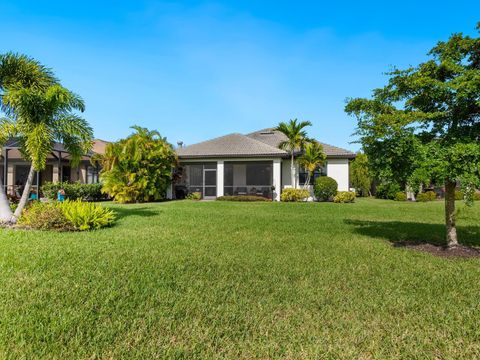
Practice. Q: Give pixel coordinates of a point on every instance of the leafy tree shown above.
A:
(296, 135)
(435, 106)
(312, 157)
(39, 112)
(360, 176)
(138, 168)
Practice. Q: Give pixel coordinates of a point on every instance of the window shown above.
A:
(92, 175)
(303, 174)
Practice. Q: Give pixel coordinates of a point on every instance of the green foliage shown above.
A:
(290, 194)
(427, 196)
(196, 195)
(360, 176)
(312, 157)
(86, 215)
(387, 191)
(325, 188)
(459, 195)
(344, 197)
(74, 191)
(138, 168)
(44, 216)
(13, 206)
(245, 198)
(400, 196)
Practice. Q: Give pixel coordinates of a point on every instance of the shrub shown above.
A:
(44, 216)
(243, 198)
(344, 197)
(400, 196)
(87, 216)
(387, 191)
(291, 194)
(459, 195)
(325, 188)
(74, 191)
(194, 196)
(427, 196)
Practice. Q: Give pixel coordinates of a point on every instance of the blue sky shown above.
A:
(195, 69)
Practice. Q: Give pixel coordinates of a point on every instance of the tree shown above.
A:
(138, 168)
(312, 157)
(437, 105)
(41, 117)
(296, 135)
(17, 71)
(360, 176)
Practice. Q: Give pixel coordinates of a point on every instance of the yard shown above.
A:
(243, 280)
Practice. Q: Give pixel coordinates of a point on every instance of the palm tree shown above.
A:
(18, 71)
(312, 158)
(39, 118)
(296, 140)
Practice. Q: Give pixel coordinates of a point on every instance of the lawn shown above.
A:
(243, 280)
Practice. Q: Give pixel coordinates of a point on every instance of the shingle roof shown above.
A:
(232, 145)
(259, 143)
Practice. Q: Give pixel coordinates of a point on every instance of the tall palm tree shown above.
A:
(312, 158)
(297, 138)
(18, 71)
(41, 117)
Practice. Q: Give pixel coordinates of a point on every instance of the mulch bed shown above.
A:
(459, 251)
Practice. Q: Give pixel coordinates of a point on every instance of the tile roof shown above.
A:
(259, 143)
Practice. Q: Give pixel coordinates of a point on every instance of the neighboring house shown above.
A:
(251, 164)
(15, 169)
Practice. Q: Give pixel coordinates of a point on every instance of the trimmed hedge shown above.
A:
(427, 196)
(248, 198)
(400, 196)
(194, 196)
(294, 195)
(74, 191)
(344, 197)
(325, 188)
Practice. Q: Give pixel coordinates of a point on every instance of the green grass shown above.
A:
(243, 280)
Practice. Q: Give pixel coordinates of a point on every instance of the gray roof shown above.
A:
(257, 144)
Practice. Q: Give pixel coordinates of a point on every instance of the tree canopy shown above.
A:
(139, 167)
(428, 117)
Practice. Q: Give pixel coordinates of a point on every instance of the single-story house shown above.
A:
(250, 164)
(15, 169)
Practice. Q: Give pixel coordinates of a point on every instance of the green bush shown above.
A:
(344, 197)
(325, 188)
(400, 196)
(44, 216)
(387, 191)
(291, 194)
(86, 215)
(427, 196)
(74, 191)
(194, 196)
(243, 198)
(459, 195)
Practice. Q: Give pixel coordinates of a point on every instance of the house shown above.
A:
(58, 168)
(250, 164)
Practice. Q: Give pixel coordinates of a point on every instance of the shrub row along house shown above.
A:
(250, 164)
(58, 168)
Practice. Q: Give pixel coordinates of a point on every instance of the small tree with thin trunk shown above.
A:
(437, 105)
(312, 157)
(297, 138)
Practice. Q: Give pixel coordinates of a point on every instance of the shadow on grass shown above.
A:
(404, 233)
(126, 211)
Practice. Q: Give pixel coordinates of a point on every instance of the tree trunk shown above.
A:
(292, 170)
(307, 181)
(450, 213)
(5, 211)
(25, 195)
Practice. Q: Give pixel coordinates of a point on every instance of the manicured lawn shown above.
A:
(243, 280)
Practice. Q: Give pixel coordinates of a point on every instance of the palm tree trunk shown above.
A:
(450, 214)
(25, 195)
(5, 211)
(292, 170)
(307, 181)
